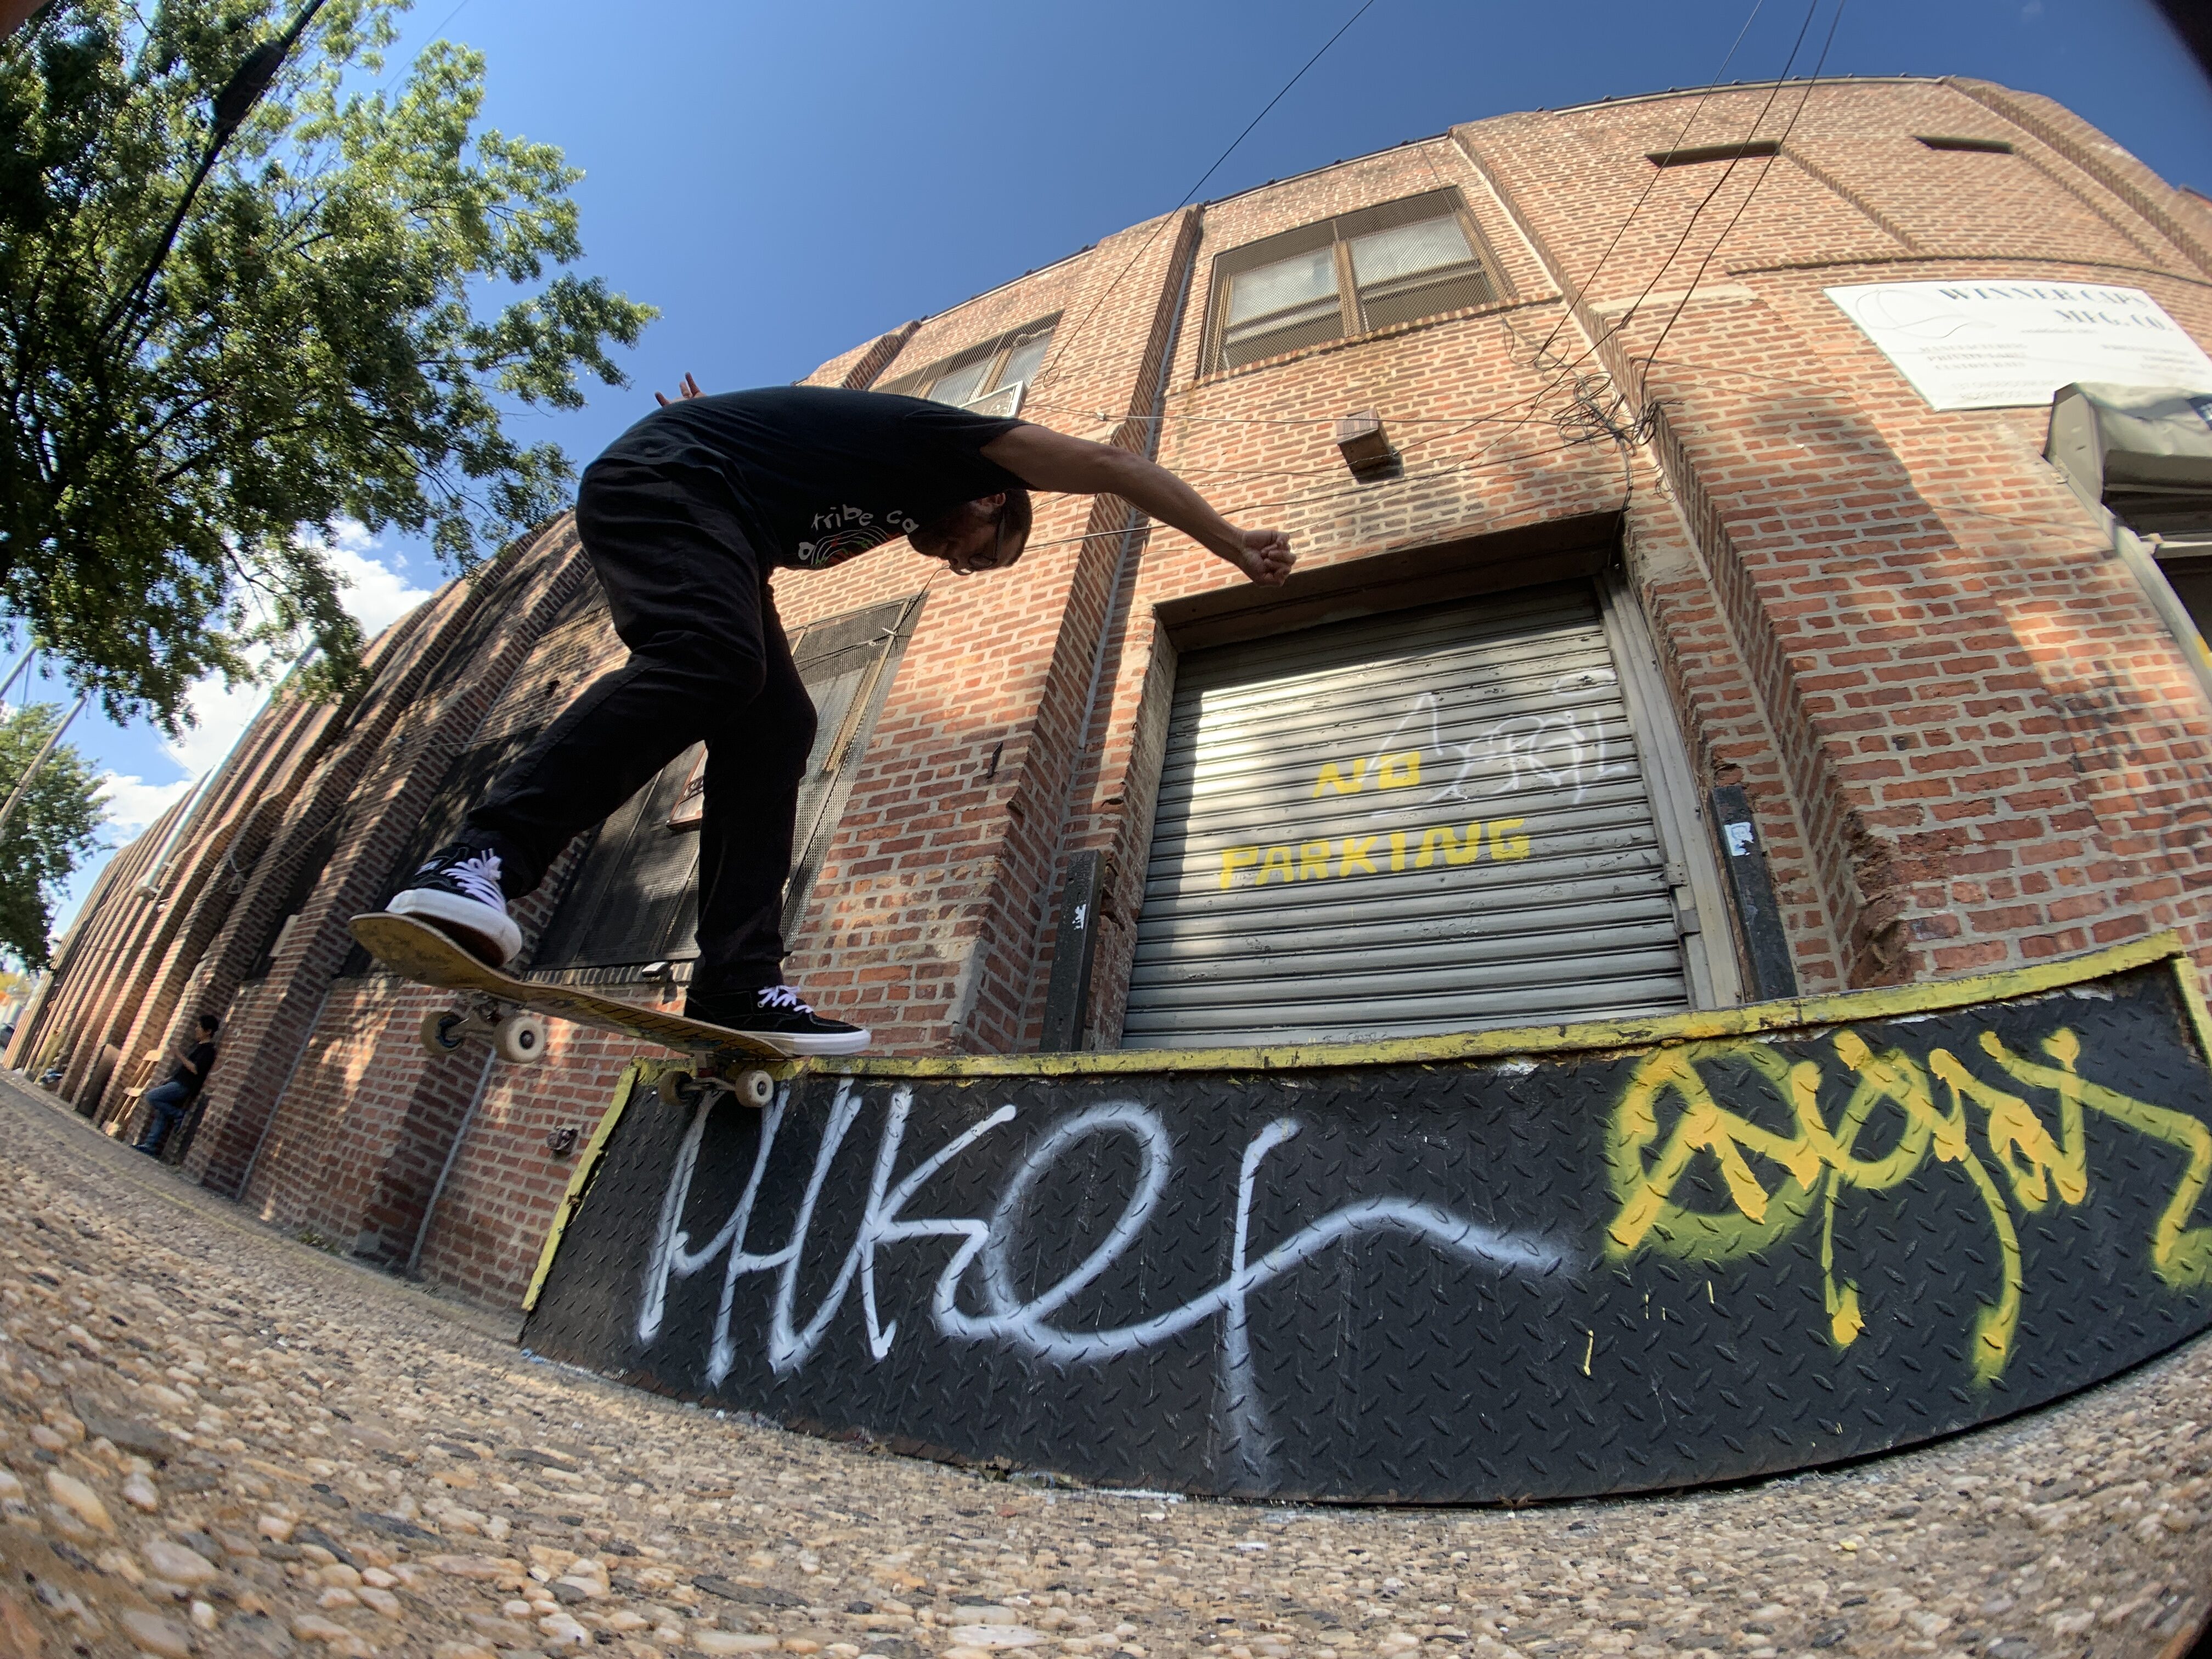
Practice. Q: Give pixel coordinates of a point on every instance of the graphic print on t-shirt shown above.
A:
(845, 532)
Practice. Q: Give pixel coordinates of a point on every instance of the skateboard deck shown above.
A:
(421, 953)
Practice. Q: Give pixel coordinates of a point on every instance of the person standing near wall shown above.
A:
(167, 1101)
(683, 518)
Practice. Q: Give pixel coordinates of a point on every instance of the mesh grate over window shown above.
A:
(1396, 262)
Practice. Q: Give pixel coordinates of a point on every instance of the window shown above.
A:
(1976, 146)
(635, 898)
(470, 777)
(988, 378)
(1757, 150)
(1392, 264)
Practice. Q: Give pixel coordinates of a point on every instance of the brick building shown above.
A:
(1664, 635)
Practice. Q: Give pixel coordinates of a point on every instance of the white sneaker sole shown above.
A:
(841, 1042)
(800, 1046)
(476, 927)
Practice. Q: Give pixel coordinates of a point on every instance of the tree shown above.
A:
(52, 831)
(183, 428)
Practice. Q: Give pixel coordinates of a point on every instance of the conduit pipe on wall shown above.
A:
(238, 1194)
(149, 888)
(446, 1170)
(1133, 535)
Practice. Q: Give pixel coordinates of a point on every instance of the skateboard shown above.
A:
(512, 1013)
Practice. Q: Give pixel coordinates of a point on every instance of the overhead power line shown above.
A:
(1281, 93)
(1651, 184)
(1618, 326)
(1787, 127)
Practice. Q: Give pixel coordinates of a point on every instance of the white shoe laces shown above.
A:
(478, 878)
(782, 997)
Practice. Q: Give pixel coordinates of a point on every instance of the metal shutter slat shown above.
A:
(1513, 707)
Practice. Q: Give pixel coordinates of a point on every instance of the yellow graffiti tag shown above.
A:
(1332, 777)
(1399, 771)
(1356, 855)
(1818, 1162)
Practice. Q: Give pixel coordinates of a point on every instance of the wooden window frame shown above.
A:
(998, 350)
(1341, 230)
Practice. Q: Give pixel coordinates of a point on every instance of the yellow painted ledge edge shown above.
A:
(626, 1087)
(1840, 1008)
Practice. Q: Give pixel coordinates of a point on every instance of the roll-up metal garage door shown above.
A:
(1429, 821)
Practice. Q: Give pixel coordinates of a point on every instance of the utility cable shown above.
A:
(1789, 127)
(1537, 359)
(394, 73)
(1476, 464)
(1616, 328)
(233, 104)
(1104, 294)
(1457, 424)
(1652, 183)
(1104, 418)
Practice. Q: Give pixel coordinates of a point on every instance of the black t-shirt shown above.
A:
(203, 1056)
(821, 474)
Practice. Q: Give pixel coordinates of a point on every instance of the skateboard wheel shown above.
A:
(677, 1086)
(520, 1038)
(755, 1088)
(443, 1031)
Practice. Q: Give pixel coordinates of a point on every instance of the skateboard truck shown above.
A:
(518, 1035)
(751, 1085)
(515, 1034)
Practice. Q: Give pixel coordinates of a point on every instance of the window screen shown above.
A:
(1394, 263)
(990, 378)
(1283, 306)
(635, 898)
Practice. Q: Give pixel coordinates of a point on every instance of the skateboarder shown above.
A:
(683, 519)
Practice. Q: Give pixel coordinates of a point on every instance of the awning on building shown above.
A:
(2146, 455)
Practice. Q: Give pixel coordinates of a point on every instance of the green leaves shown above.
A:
(312, 349)
(53, 831)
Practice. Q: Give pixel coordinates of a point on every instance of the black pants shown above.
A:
(707, 662)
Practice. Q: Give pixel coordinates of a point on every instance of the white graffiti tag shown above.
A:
(1007, 1317)
(1563, 749)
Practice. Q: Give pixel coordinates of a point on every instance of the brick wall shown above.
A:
(1967, 740)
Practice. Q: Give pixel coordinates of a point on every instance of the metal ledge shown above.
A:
(1839, 1008)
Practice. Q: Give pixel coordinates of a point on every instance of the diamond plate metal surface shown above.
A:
(1535, 1278)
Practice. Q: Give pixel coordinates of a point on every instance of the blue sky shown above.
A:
(786, 181)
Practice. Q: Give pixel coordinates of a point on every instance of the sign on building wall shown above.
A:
(1997, 345)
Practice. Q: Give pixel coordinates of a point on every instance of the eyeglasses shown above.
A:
(997, 545)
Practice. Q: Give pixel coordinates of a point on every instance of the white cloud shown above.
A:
(376, 596)
(376, 593)
(133, 803)
(220, 714)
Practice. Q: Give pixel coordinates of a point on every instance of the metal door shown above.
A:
(1424, 822)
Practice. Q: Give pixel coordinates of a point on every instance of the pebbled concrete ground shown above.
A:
(216, 1440)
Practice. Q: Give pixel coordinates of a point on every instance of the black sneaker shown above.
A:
(458, 893)
(776, 1016)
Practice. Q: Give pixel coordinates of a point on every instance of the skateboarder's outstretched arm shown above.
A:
(1045, 459)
